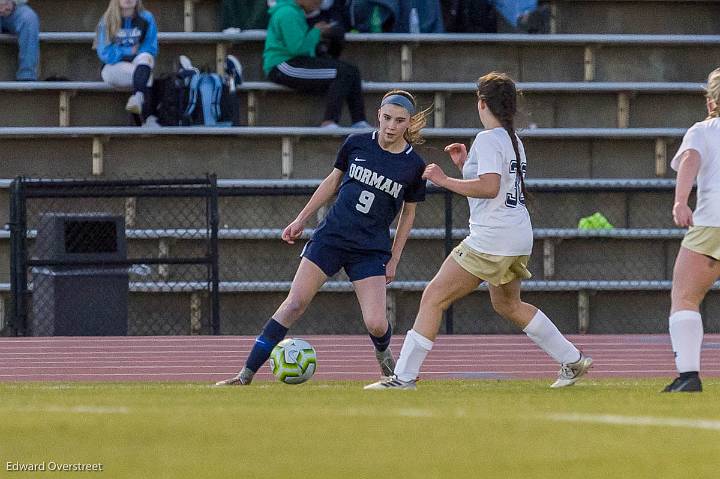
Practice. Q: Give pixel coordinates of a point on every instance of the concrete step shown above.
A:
(544, 105)
(667, 17)
(405, 57)
(171, 15)
(269, 152)
(570, 16)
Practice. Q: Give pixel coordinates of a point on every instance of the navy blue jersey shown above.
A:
(373, 189)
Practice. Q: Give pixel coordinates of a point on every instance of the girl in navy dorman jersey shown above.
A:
(377, 175)
(127, 44)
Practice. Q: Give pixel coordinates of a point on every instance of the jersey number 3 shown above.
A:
(365, 201)
(512, 198)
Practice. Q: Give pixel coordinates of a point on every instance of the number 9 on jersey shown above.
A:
(365, 201)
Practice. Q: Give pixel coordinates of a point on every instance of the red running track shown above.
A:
(211, 358)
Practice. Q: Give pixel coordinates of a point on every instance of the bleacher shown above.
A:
(606, 102)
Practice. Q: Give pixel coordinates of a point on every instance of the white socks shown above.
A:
(546, 335)
(413, 353)
(686, 333)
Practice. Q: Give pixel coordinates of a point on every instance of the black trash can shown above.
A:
(80, 300)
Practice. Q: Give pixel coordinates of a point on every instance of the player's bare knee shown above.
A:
(294, 306)
(506, 309)
(434, 298)
(684, 299)
(377, 328)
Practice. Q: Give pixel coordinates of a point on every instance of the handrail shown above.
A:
(403, 38)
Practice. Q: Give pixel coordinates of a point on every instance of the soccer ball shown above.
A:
(293, 361)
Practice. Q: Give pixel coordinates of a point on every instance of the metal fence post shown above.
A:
(448, 196)
(214, 256)
(18, 273)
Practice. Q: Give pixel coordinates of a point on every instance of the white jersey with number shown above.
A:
(501, 225)
(704, 137)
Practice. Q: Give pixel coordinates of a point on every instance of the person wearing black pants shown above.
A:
(289, 59)
(338, 79)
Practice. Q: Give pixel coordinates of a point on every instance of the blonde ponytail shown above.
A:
(713, 92)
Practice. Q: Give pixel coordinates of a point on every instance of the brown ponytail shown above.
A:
(417, 121)
(499, 93)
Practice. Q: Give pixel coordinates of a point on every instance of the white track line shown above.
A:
(72, 409)
(709, 424)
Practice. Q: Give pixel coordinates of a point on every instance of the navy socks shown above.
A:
(272, 333)
(141, 77)
(381, 343)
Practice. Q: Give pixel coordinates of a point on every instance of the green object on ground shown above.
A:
(596, 221)
(446, 429)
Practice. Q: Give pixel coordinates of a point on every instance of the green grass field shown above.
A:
(445, 429)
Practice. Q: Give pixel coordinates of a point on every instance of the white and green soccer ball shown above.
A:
(293, 361)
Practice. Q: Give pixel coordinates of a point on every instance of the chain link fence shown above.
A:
(581, 276)
(575, 269)
(101, 258)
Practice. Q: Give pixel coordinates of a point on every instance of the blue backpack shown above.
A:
(193, 98)
(210, 102)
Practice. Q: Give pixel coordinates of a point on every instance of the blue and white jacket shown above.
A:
(138, 30)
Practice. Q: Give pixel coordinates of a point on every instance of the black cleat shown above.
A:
(689, 384)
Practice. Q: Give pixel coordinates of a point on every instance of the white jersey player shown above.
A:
(698, 262)
(498, 247)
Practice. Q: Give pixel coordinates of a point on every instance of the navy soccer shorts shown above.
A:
(357, 264)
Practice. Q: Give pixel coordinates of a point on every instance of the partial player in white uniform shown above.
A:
(698, 262)
(499, 245)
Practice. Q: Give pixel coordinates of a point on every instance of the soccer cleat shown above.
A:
(690, 384)
(243, 378)
(391, 383)
(571, 372)
(386, 361)
(135, 103)
(361, 124)
(151, 122)
(185, 63)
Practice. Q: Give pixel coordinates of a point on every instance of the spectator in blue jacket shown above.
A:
(18, 18)
(127, 43)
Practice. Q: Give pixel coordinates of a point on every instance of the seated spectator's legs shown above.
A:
(324, 75)
(125, 74)
(136, 74)
(119, 75)
(142, 80)
(25, 23)
(348, 85)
